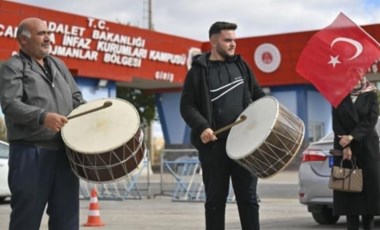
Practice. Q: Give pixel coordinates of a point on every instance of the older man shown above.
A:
(37, 91)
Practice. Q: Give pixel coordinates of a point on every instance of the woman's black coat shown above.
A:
(359, 120)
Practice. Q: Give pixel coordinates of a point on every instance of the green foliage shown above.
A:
(143, 101)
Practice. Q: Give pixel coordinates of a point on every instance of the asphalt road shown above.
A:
(279, 209)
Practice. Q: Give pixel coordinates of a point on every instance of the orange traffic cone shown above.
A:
(93, 212)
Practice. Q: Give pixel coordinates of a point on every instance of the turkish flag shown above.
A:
(337, 57)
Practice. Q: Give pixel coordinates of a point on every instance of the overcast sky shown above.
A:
(192, 18)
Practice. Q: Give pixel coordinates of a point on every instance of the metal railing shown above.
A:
(123, 188)
(181, 176)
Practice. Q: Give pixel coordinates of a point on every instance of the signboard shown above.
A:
(99, 49)
(96, 48)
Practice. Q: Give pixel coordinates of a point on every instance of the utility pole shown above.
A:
(149, 130)
(147, 14)
(150, 22)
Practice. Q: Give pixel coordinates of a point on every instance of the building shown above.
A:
(102, 55)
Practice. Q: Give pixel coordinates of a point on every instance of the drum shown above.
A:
(106, 144)
(268, 140)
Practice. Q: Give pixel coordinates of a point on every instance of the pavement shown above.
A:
(280, 209)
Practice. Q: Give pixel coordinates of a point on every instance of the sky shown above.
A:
(192, 18)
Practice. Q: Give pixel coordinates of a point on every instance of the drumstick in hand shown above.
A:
(242, 118)
(105, 105)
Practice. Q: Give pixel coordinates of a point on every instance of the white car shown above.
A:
(4, 154)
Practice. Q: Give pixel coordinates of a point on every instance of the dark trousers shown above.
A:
(39, 177)
(217, 169)
(368, 222)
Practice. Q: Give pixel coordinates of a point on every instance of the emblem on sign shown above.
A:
(267, 57)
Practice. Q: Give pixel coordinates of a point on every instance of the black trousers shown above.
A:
(39, 177)
(368, 222)
(217, 170)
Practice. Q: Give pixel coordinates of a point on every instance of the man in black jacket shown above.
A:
(218, 87)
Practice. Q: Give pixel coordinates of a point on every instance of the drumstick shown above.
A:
(105, 105)
(242, 118)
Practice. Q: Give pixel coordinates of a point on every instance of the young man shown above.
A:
(37, 91)
(218, 87)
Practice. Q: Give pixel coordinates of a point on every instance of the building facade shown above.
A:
(104, 55)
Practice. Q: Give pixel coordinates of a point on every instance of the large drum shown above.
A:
(268, 140)
(104, 145)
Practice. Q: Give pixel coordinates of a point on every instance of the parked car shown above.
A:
(313, 178)
(4, 154)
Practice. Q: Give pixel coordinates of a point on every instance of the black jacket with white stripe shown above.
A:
(195, 104)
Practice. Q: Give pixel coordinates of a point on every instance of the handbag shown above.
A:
(346, 179)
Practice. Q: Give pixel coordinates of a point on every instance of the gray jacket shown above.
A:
(26, 95)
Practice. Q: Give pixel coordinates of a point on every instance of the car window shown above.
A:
(4, 151)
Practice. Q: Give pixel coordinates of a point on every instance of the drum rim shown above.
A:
(300, 139)
(270, 129)
(135, 129)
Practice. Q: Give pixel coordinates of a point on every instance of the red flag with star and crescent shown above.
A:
(337, 57)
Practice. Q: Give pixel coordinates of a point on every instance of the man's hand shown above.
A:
(208, 135)
(55, 121)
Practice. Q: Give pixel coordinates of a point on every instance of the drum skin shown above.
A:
(105, 145)
(268, 140)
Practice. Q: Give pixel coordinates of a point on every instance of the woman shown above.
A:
(354, 122)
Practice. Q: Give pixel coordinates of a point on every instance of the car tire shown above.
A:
(325, 216)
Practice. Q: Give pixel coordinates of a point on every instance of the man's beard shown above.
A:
(225, 55)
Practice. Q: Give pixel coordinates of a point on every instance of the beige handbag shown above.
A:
(346, 179)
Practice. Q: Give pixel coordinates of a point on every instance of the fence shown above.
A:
(181, 176)
(124, 188)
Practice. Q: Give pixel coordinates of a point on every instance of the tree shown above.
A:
(145, 105)
(143, 101)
